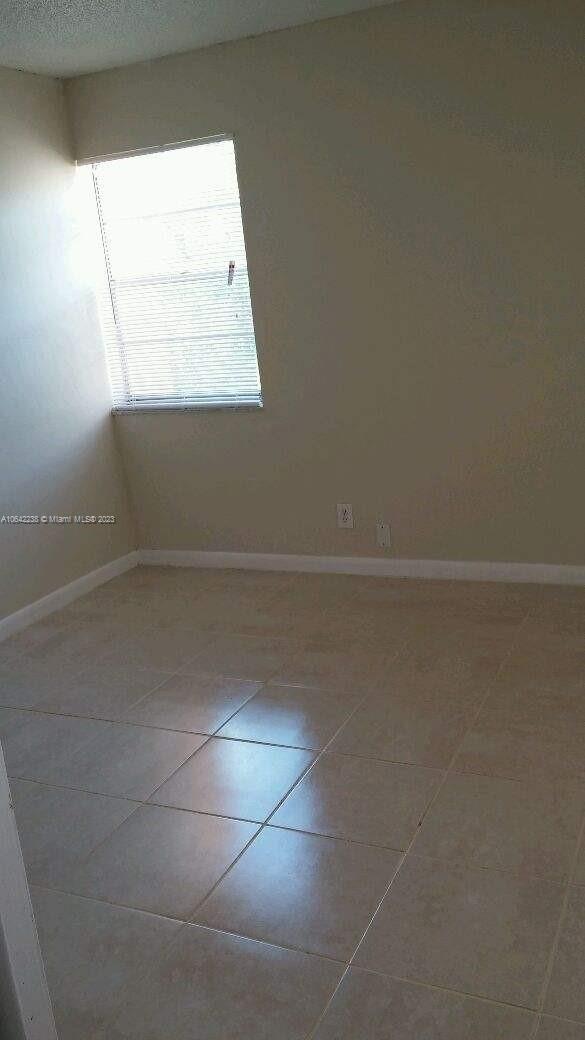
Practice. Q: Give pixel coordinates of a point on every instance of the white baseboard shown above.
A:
(66, 594)
(382, 567)
(446, 570)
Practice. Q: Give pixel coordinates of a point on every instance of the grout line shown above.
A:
(204, 898)
(263, 942)
(42, 709)
(260, 824)
(129, 722)
(84, 859)
(560, 923)
(265, 823)
(560, 1018)
(210, 737)
(115, 903)
(189, 919)
(184, 923)
(319, 755)
(514, 642)
(79, 790)
(163, 951)
(105, 902)
(558, 882)
(106, 794)
(445, 989)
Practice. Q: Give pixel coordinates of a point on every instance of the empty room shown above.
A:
(292, 520)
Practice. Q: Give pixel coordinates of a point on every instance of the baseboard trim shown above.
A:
(446, 570)
(65, 595)
(440, 570)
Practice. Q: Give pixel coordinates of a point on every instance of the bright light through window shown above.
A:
(176, 311)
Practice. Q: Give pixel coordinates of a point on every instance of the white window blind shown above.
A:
(176, 311)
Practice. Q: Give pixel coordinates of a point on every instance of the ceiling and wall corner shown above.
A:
(69, 37)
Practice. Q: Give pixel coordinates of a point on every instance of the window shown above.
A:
(176, 311)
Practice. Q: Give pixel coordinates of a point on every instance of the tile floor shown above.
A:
(257, 805)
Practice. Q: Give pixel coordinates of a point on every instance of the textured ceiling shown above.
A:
(68, 37)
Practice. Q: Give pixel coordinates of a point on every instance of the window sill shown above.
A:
(164, 409)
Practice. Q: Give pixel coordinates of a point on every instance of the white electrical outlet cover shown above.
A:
(344, 514)
(382, 535)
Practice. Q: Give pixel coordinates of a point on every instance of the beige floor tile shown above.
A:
(37, 745)
(561, 596)
(549, 692)
(234, 778)
(75, 646)
(443, 596)
(229, 610)
(485, 933)
(301, 890)
(272, 582)
(22, 686)
(127, 761)
(324, 590)
(360, 799)
(59, 828)
(242, 657)
(325, 610)
(194, 703)
(545, 628)
(104, 595)
(371, 630)
(489, 636)
(525, 827)
(579, 871)
(335, 616)
(437, 671)
(554, 659)
(378, 1008)
(162, 860)
(292, 715)
(102, 692)
(93, 953)
(269, 624)
(232, 593)
(565, 996)
(160, 578)
(91, 609)
(165, 647)
(295, 597)
(333, 669)
(556, 1029)
(33, 636)
(222, 987)
(132, 617)
(300, 618)
(292, 625)
(528, 730)
(420, 729)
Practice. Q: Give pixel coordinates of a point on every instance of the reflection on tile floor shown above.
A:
(304, 807)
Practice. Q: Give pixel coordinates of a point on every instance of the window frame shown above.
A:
(177, 409)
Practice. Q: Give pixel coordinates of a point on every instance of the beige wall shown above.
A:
(57, 449)
(413, 200)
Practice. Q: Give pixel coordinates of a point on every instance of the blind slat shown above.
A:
(178, 328)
